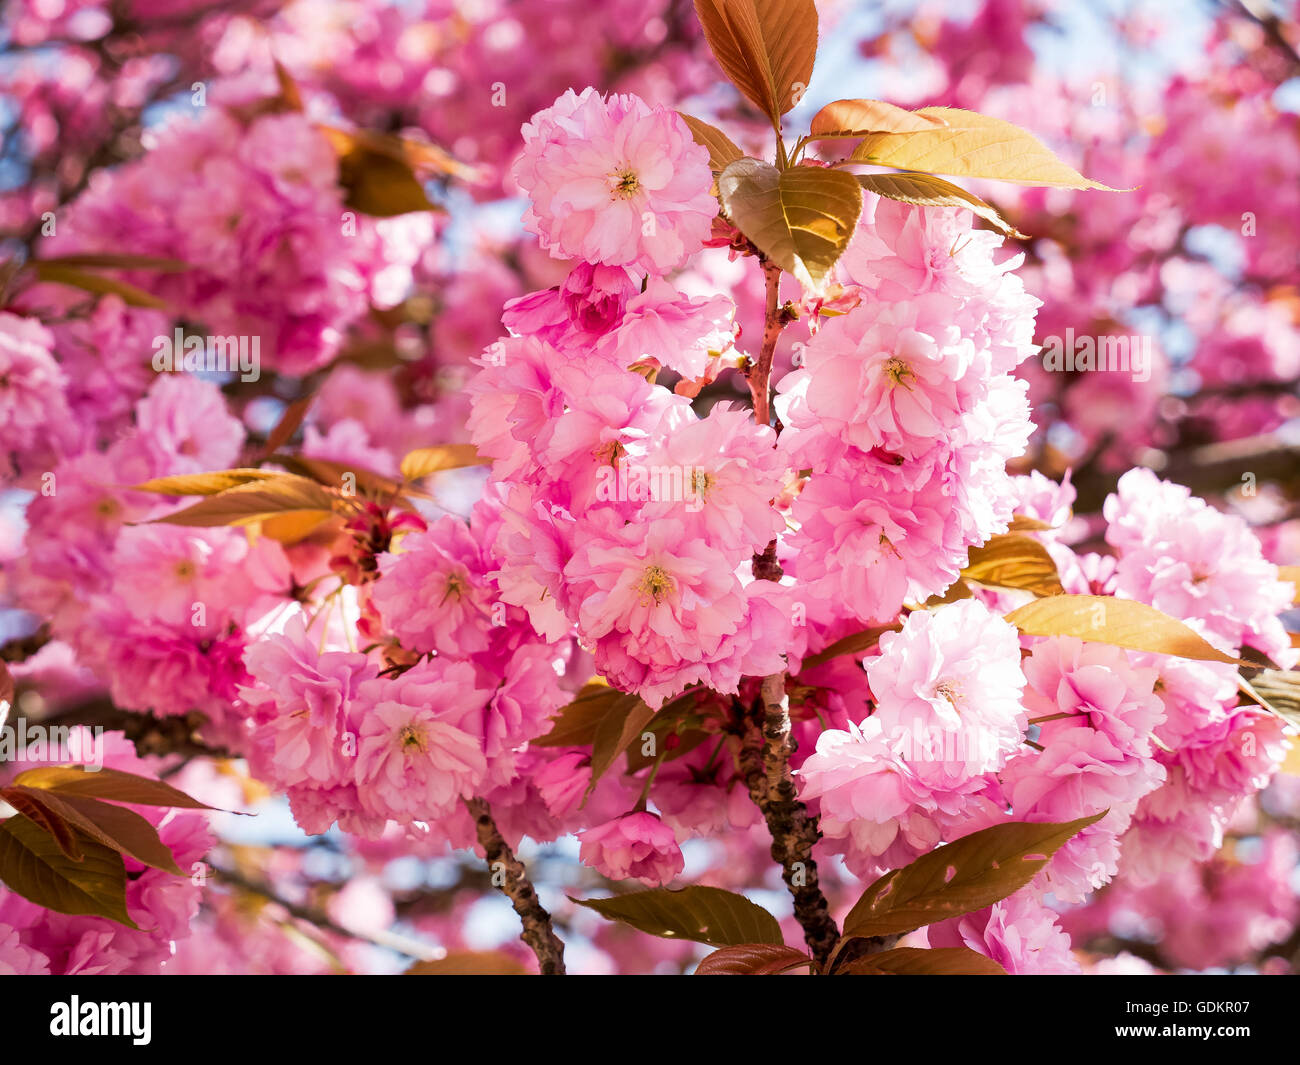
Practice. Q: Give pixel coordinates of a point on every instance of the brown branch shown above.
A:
(158, 736)
(759, 374)
(1208, 470)
(538, 932)
(765, 768)
(24, 647)
(766, 745)
(412, 948)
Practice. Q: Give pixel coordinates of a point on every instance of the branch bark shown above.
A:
(412, 948)
(759, 374)
(538, 932)
(766, 746)
(765, 767)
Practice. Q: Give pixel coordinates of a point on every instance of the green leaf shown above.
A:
(111, 784)
(926, 190)
(114, 826)
(703, 914)
(959, 877)
(1013, 560)
(32, 865)
(338, 476)
(575, 725)
(722, 150)
(1024, 523)
(40, 814)
(973, 145)
(377, 175)
(752, 959)
(802, 219)
(914, 961)
(955, 592)
(688, 740)
(843, 119)
(1119, 622)
(625, 720)
(766, 47)
(1276, 690)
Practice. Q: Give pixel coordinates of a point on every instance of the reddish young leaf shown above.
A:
(752, 959)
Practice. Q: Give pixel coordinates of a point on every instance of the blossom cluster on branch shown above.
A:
(724, 521)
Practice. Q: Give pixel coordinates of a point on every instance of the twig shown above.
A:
(538, 932)
(412, 948)
(765, 768)
(24, 647)
(759, 375)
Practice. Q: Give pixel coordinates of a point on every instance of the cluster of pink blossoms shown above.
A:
(617, 537)
(625, 513)
(1159, 744)
(906, 413)
(255, 212)
(350, 740)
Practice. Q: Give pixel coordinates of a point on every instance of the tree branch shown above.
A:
(412, 948)
(765, 768)
(538, 932)
(766, 745)
(24, 647)
(759, 374)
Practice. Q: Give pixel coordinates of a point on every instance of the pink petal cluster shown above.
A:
(1097, 715)
(257, 213)
(949, 683)
(1191, 561)
(635, 846)
(434, 594)
(420, 748)
(1019, 933)
(34, 411)
(947, 714)
(903, 408)
(615, 181)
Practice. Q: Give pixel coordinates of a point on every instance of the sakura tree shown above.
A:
(648, 487)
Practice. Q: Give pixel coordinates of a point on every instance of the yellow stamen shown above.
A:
(656, 583)
(626, 184)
